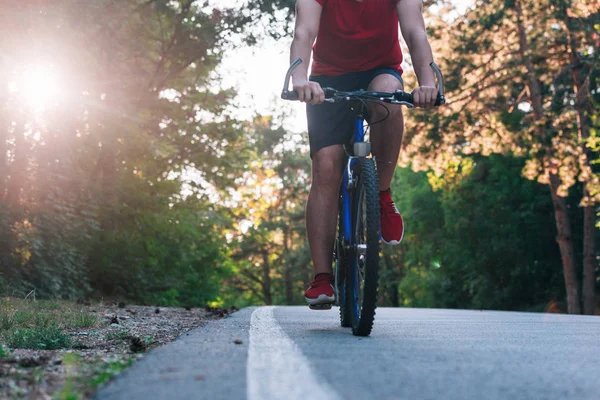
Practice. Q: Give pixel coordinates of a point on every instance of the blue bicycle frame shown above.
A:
(359, 136)
(346, 212)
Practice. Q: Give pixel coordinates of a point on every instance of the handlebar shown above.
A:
(398, 97)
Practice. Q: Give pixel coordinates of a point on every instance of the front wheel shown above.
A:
(362, 279)
(342, 267)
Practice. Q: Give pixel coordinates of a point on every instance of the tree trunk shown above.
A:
(563, 224)
(533, 84)
(266, 281)
(565, 243)
(589, 260)
(589, 213)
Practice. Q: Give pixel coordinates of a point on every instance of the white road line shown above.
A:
(276, 367)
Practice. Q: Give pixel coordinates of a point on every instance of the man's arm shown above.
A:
(410, 14)
(308, 17)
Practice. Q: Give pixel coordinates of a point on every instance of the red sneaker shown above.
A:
(320, 290)
(392, 226)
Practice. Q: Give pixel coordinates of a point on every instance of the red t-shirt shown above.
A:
(356, 36)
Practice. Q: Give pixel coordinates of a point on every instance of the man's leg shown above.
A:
(321, 221)
(386, 136)
(321, 208)
(386, 139)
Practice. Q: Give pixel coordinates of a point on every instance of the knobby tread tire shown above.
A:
(343, 265)
(368, 181)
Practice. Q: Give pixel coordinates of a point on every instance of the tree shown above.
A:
(91, 179)
(477, 236)
(502, 74)
(274, 249)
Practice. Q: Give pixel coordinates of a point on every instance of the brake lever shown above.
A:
(287, 94)
(403, 103)
(441, 99)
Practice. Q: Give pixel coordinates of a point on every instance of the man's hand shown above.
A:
(309, 92)
(425, 96)
(308, 17)
(410, 15)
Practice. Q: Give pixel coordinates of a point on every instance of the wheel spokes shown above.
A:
(360, 250)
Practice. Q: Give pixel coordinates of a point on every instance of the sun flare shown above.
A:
(37, 86)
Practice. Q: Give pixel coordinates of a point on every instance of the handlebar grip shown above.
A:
(408, 97)
(292, 95)
(404, 96)
(289, 95)
(441, 100)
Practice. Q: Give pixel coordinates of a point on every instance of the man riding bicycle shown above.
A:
(355, 45)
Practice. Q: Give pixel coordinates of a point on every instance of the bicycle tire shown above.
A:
(341, 267)
(366, 228)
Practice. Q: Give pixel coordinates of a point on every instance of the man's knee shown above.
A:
(327, 167)
(385, 83)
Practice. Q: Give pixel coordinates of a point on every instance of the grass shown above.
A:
(83, 320)
(117, 335)
(105, 371)
(48, 325)
(86, 378)
(31, 324)
(68, 392)
(3, 352)
(38, 338)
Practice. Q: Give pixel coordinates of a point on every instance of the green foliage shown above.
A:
(483, 239)
(104, 372)
(139, 184)
(168, 298)
(85, 377)
(91, 188)
(417, 287)
(271, 257)
(71, 361)
(67, 393)
(170, 258)
(500, 251)
(118, 334)
(31, 325)
(50, 338)
(83, 320)
(3, 352)
(40, 325)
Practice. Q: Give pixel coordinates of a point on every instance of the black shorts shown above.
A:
(333, 123)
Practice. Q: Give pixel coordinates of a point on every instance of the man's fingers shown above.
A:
(320, 95)
(432, 98)
(417, 98)
(316, 94)
(310, 92)
(425, 97)
(307, 95)
(428, 99)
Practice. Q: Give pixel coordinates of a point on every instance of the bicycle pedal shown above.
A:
(320, 306)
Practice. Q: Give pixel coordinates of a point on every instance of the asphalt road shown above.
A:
(296, 353)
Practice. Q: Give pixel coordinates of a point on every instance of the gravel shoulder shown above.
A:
(100, 340)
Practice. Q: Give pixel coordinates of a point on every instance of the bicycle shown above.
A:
(357, 245)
